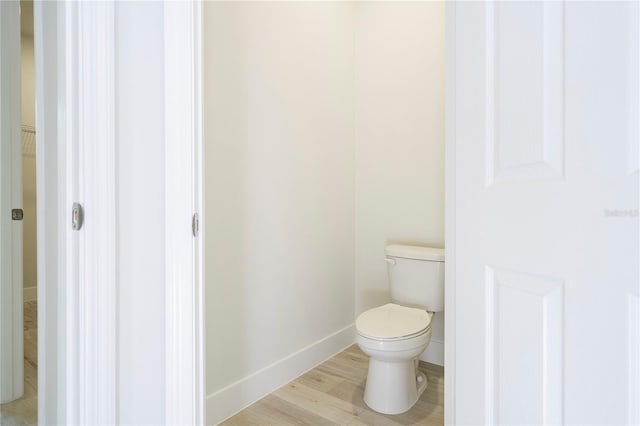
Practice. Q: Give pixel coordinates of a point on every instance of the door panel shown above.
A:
(524, 47)
(633, 76)
(546, 124)
(524, 346)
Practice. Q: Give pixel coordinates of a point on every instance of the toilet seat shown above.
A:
(393, 322)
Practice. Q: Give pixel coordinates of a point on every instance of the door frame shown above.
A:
(64, 351)
(76, 162)
(52, 239)
(450, 216)
(11, 280)
(184, 232)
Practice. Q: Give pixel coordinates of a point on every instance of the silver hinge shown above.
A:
(195, 225)
(77, 217)
(17, 214)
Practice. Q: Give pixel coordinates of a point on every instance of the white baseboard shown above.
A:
(30, 294)
(226, 402)
(434, 353)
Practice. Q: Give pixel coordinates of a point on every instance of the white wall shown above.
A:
(279, 185)
(29, 255)
(399, 141)
(139, 77)
(324, 141)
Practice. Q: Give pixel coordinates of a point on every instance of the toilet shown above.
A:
(394, 335)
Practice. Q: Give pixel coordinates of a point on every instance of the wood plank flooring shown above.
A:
(332, 393)
(24, 411)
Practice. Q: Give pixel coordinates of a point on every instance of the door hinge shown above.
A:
(77, 216)
(17, 214)
(195, 225)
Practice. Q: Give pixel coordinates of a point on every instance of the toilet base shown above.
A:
(393, 387)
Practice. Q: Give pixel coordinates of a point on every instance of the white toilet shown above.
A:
(394, 335)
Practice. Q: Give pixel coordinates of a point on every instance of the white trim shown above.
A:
(633, 359)
(67, 306)
(95, 335)
(76, 270)
(183, 136)
(491, 365)
(53, 235)
(228, 401)
(30, 293)
(633, 76)
(198, 189)
(450, 216)
(11, 350)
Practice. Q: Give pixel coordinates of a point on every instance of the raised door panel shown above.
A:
(524, 327)
(633, 135)
(633, 359)
(524, 111)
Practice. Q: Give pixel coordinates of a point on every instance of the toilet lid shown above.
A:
(392, 321)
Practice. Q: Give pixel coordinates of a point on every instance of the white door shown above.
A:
(546, 126)
(11, 364)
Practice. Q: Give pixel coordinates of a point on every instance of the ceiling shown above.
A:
(26, 17)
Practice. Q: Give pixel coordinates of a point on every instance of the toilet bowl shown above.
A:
(393, 336)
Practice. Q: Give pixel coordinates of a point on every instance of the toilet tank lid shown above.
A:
(415, 252)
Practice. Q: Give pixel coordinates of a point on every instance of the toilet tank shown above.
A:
(416, 276)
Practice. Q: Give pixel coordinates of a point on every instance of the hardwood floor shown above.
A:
(24, 411)
(332, 393)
